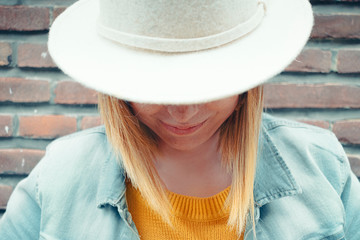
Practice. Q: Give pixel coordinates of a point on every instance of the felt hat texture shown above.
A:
(178, 52)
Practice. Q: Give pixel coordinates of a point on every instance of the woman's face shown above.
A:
(185, 127)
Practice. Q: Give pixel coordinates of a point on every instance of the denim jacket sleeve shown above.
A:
(23, 214)
(350, 197)
(72, 193)
(304, 187)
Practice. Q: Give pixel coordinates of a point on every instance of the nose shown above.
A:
(182, 113)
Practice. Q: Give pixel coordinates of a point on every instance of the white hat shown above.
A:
(178, 52)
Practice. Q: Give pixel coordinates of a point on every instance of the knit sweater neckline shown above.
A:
(194, 208)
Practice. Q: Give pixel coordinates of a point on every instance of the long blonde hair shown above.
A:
(136, 146)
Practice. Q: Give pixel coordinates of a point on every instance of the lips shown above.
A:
(183, 129)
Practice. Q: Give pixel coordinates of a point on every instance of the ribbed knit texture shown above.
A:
(192, 217)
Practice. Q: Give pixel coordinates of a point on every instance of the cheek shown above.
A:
(224, 106)
(147, 115)
(145, 111)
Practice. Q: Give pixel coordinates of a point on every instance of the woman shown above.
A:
(187, 153)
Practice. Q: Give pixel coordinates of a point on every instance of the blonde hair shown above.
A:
(136, 146)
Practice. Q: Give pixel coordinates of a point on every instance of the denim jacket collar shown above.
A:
(273, 178)
(112, 182)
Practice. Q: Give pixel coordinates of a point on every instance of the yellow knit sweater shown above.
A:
(193, 217)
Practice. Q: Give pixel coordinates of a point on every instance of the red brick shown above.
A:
(6, 127)
(90, 121)
(68, 92)
(355, 164)
(24, 18)
(348, 61)
(5, 54)
(348, 131)
(317, 123)
(337, 26)
(34, 55)
(5, 192)
(24, 90)
(48, 127)
(311, 60)
(19, 161)
(57, 11)
(311, 96)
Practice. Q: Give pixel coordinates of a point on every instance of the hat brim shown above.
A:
(178, 78)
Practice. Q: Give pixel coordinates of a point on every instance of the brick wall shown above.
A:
(38, 103)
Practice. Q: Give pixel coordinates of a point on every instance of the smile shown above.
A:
(182, 130)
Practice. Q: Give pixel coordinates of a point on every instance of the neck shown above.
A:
(193, 172)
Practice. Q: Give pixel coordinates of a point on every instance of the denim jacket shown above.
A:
(304, 189)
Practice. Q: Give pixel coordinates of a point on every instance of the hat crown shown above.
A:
(179, 19)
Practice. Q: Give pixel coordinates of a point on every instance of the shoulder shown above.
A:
(74, 163)
(307, 149)
(299, 135)
(76, 150)
(276, 124)
(76, 140)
